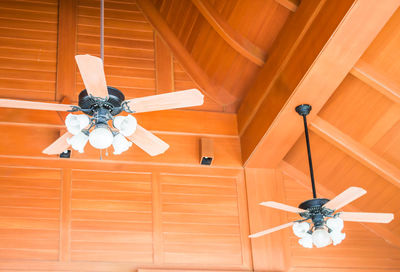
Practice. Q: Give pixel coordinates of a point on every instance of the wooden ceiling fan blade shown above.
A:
(280, 206)
(59, 145)
(345, 198)
(367, 217)
(268, 231)
(22, 104)
(148, 142)
(167, 101)
(92, 72)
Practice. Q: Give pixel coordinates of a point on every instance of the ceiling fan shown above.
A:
(100, 104)
(325, 215)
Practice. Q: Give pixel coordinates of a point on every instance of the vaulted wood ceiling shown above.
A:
(254, 61)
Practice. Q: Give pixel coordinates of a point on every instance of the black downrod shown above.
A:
(304, 110)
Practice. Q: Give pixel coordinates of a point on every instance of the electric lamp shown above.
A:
(76, 122)
(120, 144)
(300, 229)
(78, 141)
(101, 137)
(321, 237)
(306, 241)
(125, 124)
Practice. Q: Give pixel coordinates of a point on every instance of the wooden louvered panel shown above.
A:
(107, 215)
(28, 44)
(29, 213)
(360, 249)
(199, 217)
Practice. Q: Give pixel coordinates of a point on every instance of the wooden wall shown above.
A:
(134, 212)
(76, 219)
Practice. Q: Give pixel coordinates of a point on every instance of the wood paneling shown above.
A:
(29, 213)
(205, 208)
(271, 252)
(28, 47)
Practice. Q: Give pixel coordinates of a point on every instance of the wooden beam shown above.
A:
(270, 252)
(356, 150)
(304, 180)
(158, 243)
(63, 114)
(65, 216)
(377, 80)
(198, 75)
(183, 122)
(117, 166)
(242, 45)
(247, 260)
(164, 66)
(67, 28)
(336, 39)
(281, 52)
(289, 4)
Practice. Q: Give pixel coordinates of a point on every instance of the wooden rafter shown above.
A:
(304, 180)
(366, 73)
(356, 150)
(289, 4)
(242, 45)
(67, 25)
(217, 93)
(310, 76)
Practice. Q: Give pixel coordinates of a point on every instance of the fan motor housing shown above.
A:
(112, 103)
(313, 203)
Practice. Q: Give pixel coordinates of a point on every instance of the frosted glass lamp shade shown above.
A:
(321, 237)
(300, 229)
(335, 224)
(101, 137)
(125, 124)
(337, 237)
(76, 122)
(120, 144)
(306, 241)
(78, 141)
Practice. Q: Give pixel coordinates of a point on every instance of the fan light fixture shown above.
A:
(98, 133)
(321, 230)
(326, 223)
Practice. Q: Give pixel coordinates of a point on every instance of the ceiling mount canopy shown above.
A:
(322, 222)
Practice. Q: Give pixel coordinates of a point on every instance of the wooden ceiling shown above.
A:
(254, 61)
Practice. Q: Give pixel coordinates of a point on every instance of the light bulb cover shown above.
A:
(120, 144)
(337, 237)
(335, 224)
(125, 124)
(300, 228)
(306, 241)
(76, 122)
(321, 237)
(101, 137)
(78, 141)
